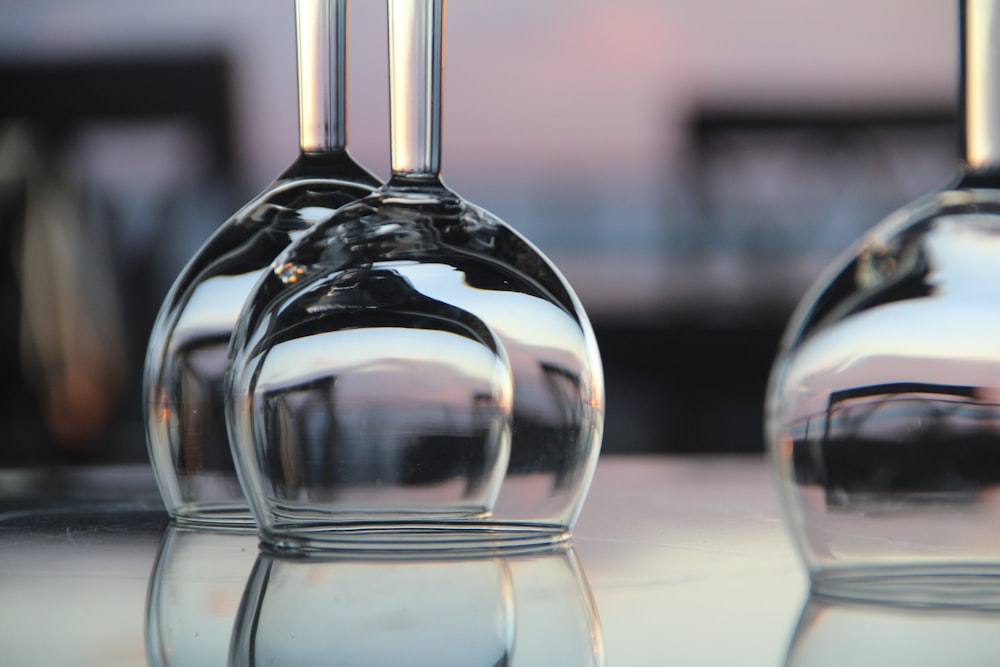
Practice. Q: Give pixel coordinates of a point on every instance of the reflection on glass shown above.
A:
(884, 405)
(834, 633)
(522, 609)
(411, 353)
(186, 357)
(194, 593)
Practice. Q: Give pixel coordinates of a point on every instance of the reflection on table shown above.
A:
(675, 561)
(493, 608)
(833, 632)
(194, 592)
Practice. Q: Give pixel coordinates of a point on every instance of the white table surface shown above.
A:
(689, 562)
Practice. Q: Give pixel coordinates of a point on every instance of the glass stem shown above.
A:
(321, 47)
(980, 83)
(415, 48)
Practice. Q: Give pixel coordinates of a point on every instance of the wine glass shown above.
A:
(186, 355)
(524, 608)
(884, 402)
(413, 371)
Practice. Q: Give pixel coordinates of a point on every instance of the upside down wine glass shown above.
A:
(413, 373)
(884, 403)
(186, 355)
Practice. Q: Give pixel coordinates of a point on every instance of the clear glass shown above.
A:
(194, 594)
(413, 370)
(186, 355)
(884, 403)
(832, 633)
(522, 609)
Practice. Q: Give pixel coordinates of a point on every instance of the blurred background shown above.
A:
(691, 167)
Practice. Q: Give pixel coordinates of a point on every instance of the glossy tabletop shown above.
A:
(678, 561)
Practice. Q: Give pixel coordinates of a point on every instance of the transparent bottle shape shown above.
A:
(413, 363)
(884, 402)
(186, 356)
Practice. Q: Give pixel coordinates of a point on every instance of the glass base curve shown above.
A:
(213, 515)
(968, 586)
(458, 537)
